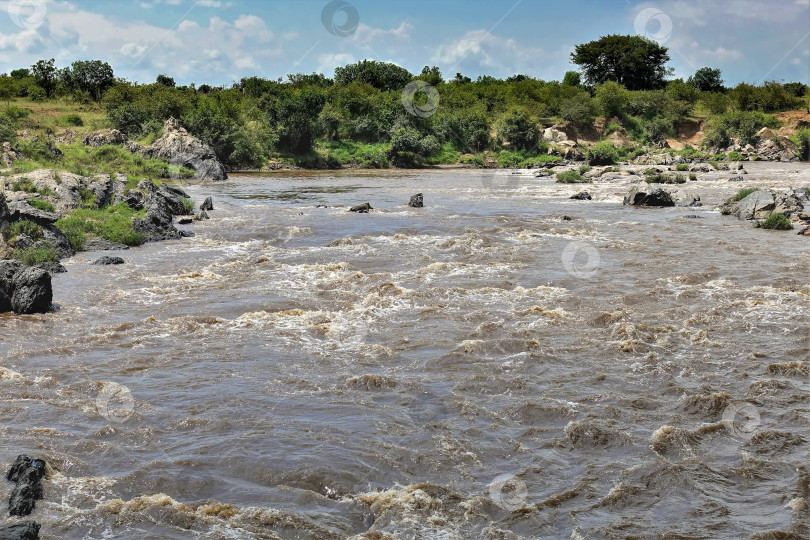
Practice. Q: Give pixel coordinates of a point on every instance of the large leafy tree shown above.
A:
(635, 62)
(381, 75)
(295, 118)
(91, 76)
(706, 79)
(46, 75)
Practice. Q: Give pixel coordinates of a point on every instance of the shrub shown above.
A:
(571, 177)
(776, 221)
(88, 198)
(682, 167)
(26, 227)
(613, 99)
(802, 140)
(519, 130)
(44, 253)
(602, 153)
(692, 177)
(42, 205)
(23, 184)
(74, 120)
(584, 168)
(188, 204)
(735, 156)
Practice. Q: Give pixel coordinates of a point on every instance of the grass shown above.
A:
(776, 221)
(735, 156)
(113, 223)
(42, 205)
(353, 153)
(188, 206)
(23, 184)
(45, 253)
(524, 159)
(743, 193)
(692, 176)
(571, 177)
(659, 178)
(682, 167)
(584, 168)
(26, 227)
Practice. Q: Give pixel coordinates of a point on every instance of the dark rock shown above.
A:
(135, 200)
(53, 268)
(804, 232)
(4, 212)
(788, 204)
(33, 292)
(174, 198)
(22, 210)
(208, 204)
(321, 206)
(101, 244)
(157, 225)
(736, 179)
(692, 216)
(23, 241)
(757, 205)
(361, 208)
(25, 530)
(201, 216)
(642, 196)
(28, 474)
(58, 240)
(187, 234)
(106, 261)
(566, 218)
(185, 221)
(582, 196)
(5, 302)
(417, 201)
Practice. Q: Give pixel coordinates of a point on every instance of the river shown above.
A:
(478, 368)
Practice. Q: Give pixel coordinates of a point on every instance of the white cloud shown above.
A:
(22, 42)
(482, 51)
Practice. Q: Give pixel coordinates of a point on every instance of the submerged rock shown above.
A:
(107, 261)
(201, 216)
(101, 244)
(361, 208)
(25, 530)
(417, 201)
(28, 474)
(582, 196)
(208, 204)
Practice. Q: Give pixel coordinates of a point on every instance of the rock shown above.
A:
(804, 232)
(9, 154)
(134, 199)
(417, 201)
(740, 167)
(566, 218)
(185, 221)
(692, 216)
(157, 225)
(23, 241)
(765, 134)
(685, 198)
(187, 234)
(24, 530)
(22, 210)
(28, 474)
(788, 204)
(104, 137)
(361, 208)
(107, 261)
(101, 244)
(736, 179)
(207, 205)
(53, 268)
(644, 196)
(33, 292)
(804, 216)
(201, 216)
(757, 205)
(174, 198)
(582, 196)
(554, 135)
(58, 240)
(179, 148)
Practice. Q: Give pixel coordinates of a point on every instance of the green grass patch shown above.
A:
(113, 223)
(682, 167)
(73, 120)
(776, 221)
(692, 177)
(188, 206)
(571, 177)
(42, 205)
(478, 161)
(26, 227)
(584, 168)
(36, 255)
(23, 184)
(743, 193)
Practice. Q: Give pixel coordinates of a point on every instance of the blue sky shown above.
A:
(220, 41)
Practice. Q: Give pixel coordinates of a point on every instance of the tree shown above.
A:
(572, 78)
(381, 75)
(706, 80)
(460, 79)
(295, 116)
(165, 80)
(91, 76)
(431, 75)
(613, 98)
(20, 73)
(636, 62)
(518, 130)
(45, 75)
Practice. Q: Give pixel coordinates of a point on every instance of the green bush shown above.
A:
(188, 205)
(659, 178)
(802, 140)
(602, 153)
(584, 168)
(742, 124)
(26, 227)
(36, 254)
(743, 193)
(74, 120)
(735, 156)
(571, 177)
(776, 221)
(88, 198)
(682, 167)
(613, 99)
(42, 205)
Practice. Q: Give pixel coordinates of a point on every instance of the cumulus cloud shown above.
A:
(480, 50)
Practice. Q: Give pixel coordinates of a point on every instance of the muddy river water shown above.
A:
(478, 368)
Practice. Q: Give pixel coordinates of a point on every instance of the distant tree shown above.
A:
(431, 75)
(519, 77)
(636, 62)
(518, 130)
(165, 80)
(20, 73)
(572, 78)
(315, 79)
(706, 79)
(613, 98)
(795, 88)
(7, 88)
(45, 75)
(295, 118)
(381, 75)
(91, 76)
(459, 79)
(204, 89)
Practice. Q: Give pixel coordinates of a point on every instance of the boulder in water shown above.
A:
(28, 474)
(417, 201)
(107, 261)
(582, 196)
(24, 530)
(33, 292)
(208, 204)
(361, 208)
(644, 196)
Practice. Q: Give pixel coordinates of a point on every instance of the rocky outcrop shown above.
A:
(27, 473)
(178, 147)
(24, 530)
(361, 208)
(686, 198)
(24, 290)
(161, 206)
(648, 196)
(105, 137)
(417, 201)
(8, 155)
(757, 205)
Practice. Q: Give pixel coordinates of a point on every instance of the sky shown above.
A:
(220, 41)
